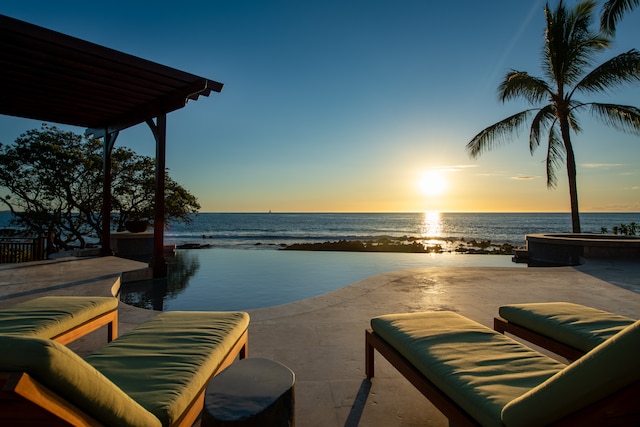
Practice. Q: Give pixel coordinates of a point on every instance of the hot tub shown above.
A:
(570, 249)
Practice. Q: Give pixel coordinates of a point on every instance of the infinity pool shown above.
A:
(230, 279)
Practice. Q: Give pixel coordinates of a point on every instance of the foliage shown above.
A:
(625, 229)
(134, 202)
(612, 13)
(53, 181)
(569, 50)
(47, 176)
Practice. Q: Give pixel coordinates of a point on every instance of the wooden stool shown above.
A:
(250, 392)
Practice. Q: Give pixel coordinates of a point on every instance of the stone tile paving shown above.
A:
(322, 339)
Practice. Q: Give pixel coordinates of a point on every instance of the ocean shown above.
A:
(271, 230)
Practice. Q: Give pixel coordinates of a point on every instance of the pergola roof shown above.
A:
(53, 77)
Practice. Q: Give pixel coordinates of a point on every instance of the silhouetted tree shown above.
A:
(52, 180)
(569, 49)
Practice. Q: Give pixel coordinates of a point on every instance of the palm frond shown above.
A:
(581, 53)
(554, 35)
(520, 84)
(625, 118)
(582, 15)
(613, 11)
(624, 68)
(574, 106)
(570, 45)
(555, 157)
(542, 121)
(497, 134)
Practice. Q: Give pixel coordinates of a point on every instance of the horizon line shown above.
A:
(418, 212)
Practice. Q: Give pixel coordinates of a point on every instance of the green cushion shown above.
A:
(165, 362)
(47, 317)
(607, 368)
(580, 327)
(64, 372)
(478, 368)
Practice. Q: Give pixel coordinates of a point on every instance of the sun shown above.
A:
(432, 183)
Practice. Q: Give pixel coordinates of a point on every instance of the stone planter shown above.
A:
(136, 226)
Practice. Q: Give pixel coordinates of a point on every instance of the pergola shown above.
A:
(52, 77)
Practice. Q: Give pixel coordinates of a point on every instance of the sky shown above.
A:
(352, 106)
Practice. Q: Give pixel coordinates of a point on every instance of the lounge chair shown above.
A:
(477, 376)
(155, 375)
(567, 329)
(60, 318)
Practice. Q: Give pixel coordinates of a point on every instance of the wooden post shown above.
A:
(109, 142)
(158, 261)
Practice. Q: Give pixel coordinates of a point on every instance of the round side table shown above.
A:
(250, 392)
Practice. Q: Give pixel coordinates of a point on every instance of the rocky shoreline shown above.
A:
(406, 245)
(388, 244)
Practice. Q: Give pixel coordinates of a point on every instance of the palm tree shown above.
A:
(569, 49)
(613, 11)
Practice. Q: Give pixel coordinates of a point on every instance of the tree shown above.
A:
(53, 181)
(612, 13)
(569, 49)
(133, 202)
(49, 185)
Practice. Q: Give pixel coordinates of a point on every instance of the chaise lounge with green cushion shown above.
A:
(565, 328)
(60, 318)
(477, 376)
(155, 375)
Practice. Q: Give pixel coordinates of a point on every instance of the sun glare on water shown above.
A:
(432, 183)
(431, 224)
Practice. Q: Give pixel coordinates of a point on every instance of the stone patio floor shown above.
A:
(322, 338)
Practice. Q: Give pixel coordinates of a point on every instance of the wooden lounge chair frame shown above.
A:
(109, 318)
(21, 394)
(25, 401)
(456, 415)
(619, 408)
(501, 325)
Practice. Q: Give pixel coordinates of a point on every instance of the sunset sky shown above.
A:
(346, 106)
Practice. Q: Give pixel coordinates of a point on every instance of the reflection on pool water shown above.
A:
(229, 279)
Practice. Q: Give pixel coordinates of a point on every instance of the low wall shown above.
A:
(570, 249)
(135, 246)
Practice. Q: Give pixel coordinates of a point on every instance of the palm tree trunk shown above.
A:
(571, 174)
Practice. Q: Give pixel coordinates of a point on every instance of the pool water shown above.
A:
(229, 279)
